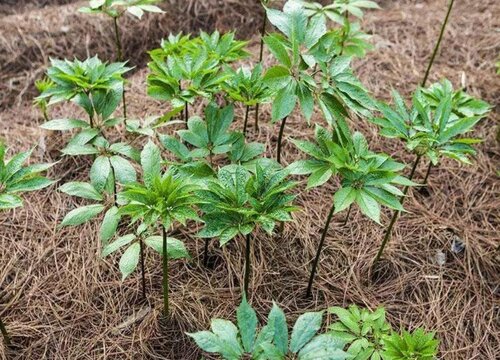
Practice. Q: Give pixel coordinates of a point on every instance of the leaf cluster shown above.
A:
(435, 123)
(417, 345)
(367, 179)
(272, 341)
(364, 331)
(116, 8)
(238, 201)
(95, 86)
(16, 178)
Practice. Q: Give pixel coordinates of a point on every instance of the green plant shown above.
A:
(15, 178)
(43, 85)
(362, 330)
(238, 202)
(427, 131)
(417, 345)
(161, 200)
(185, 68)
(367, 179)
(95, 86)
(247, 86)
(273, 341)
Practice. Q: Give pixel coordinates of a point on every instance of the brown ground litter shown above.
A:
(61, 301)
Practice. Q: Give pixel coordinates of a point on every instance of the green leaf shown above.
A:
(247, 323)
(343, 198)
(117, 244)
(207, 341)
(283, 104)
(151, 163)
(278, 50)
(31, 184)
(228, 333)
(277, 321)
(306, 326)
(109, 224)
(368, 205)
(99, 172)
(124, 171)
(82, 214)
(75, 150)
(175, 248)
(10, 201)
(81, 189)
(277, 77)
(64, 124)
(129, 260)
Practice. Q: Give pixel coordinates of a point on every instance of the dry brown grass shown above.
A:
(61, 301)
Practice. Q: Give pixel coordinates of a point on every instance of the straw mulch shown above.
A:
(60, 300)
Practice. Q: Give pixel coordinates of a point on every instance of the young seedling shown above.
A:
(91, 84)
(247, 86)
(271, 341)
(367, 179)
(462, 105)
(184, 69)
(160, 201)
(408, 346)
(362, 330)
(15, 179)
(43, 85)
(115, 9)
(238, 202)
(428, 131)
(302, 53)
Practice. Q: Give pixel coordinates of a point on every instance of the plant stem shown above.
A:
(165, 273)
(436, 48)
(119, 53)
(347, 216)
(262, 34)
(3, 330)
(186, 113)
(246, 121)
(280, 138)
(205, 254)
(318, 252)
(388, 231)
(427, 173)
(247, 264)
(143, 271)
(256, 124)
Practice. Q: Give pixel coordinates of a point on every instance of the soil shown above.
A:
(60, 300)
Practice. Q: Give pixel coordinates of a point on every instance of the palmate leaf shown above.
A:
(271, 342)
(418, 345)
(95, 86)
(434, 124)
(16, 178)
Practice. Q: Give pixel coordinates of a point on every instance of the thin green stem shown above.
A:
(388, 231)
(436, 48)
(347, 216)
(280, 138)
(318, 252)
(165, 273)
(186, 113)
(143, 271)
(205, 253)
(256, 123)
(262, 34)
(245, 124)
(119, 54)
(247, 264)
(429, 168)
(3, 330)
